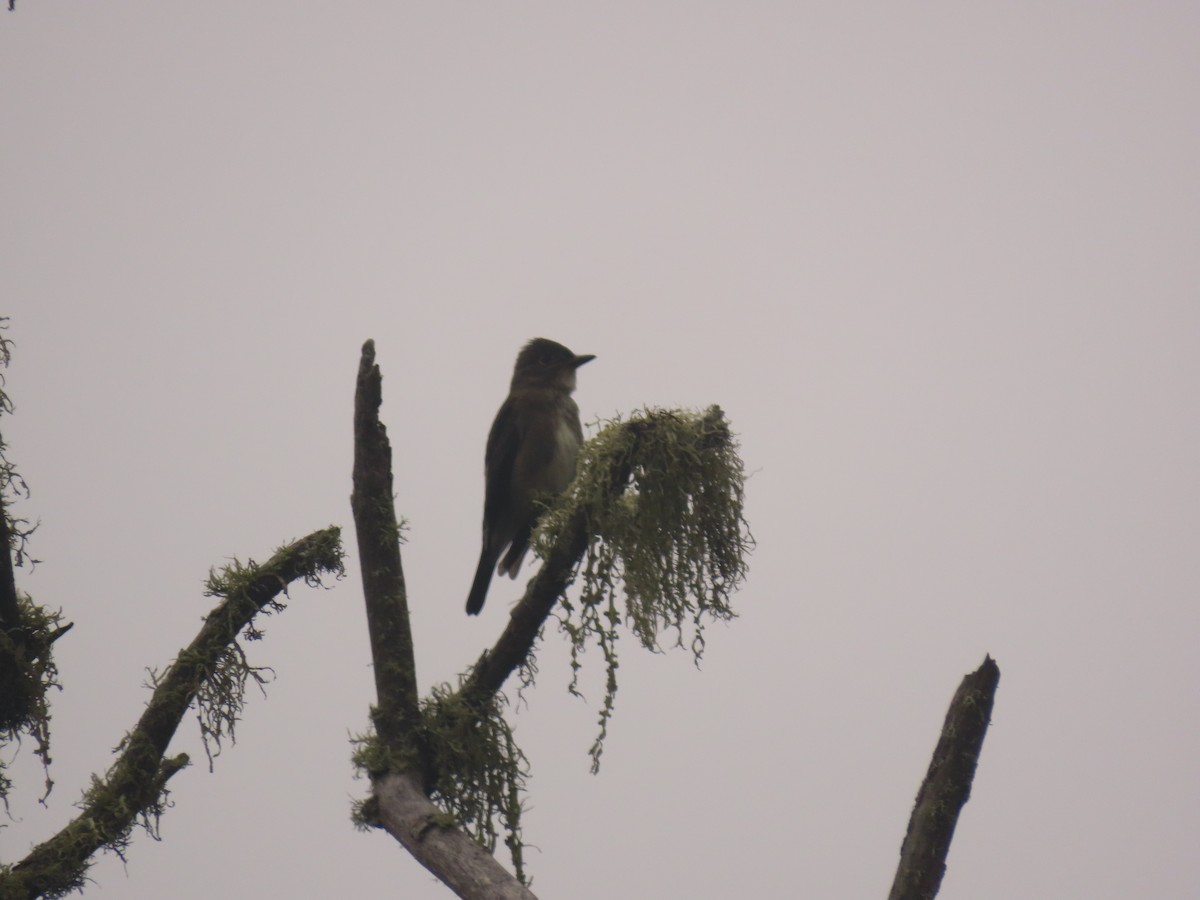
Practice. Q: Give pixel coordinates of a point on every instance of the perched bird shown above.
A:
(531, 452)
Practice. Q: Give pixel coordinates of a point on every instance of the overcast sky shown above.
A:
(938, 263)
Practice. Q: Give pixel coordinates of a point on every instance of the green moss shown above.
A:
(27, 675)
(220, 687)
(473, 769)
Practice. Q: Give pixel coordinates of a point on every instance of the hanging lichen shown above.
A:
(666, 553)
(27, 631)
(474, 769)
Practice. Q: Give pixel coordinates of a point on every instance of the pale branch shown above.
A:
(378, 533)
(132, 790)
(456, 860)
(946, 787)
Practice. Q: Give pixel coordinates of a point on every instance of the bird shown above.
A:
(531, 452)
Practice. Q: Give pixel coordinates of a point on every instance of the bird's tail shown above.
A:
(511, 564)
(483, 578)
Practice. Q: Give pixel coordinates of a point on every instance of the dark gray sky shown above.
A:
(938, 263)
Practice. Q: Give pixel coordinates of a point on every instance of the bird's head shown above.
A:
(546, 362)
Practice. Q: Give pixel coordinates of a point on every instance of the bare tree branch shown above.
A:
(459, 862)
(946, 788)
(379, 554)
(400, 804)
(133, 787)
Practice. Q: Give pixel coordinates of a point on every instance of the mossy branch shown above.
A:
(9, 613)
(134, 789)
(653, 522)
(27, 674)
(27, 631)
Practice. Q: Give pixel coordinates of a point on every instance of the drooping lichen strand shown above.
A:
(480, 771)
(672, 546)
(27, 631)
(220, 684)
(12, 484)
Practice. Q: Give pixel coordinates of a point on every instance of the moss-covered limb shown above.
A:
(11, 484)
(668, 554)
(246, 590)
(111, 808)
(656, 509)
(27, 675)
(133, 788)
(515, 643)
(397, 714)
(27, 631)
(946, 787)
(561, 559)
(9, 615)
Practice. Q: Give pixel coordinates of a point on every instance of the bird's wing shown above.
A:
(503, 442)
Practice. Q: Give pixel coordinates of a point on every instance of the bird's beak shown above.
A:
(580, 360)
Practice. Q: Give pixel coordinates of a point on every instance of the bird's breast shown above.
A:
(565, 451)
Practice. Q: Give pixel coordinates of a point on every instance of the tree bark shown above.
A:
(10, 616)
(378, 533)
(454, 858)
(946, 788)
